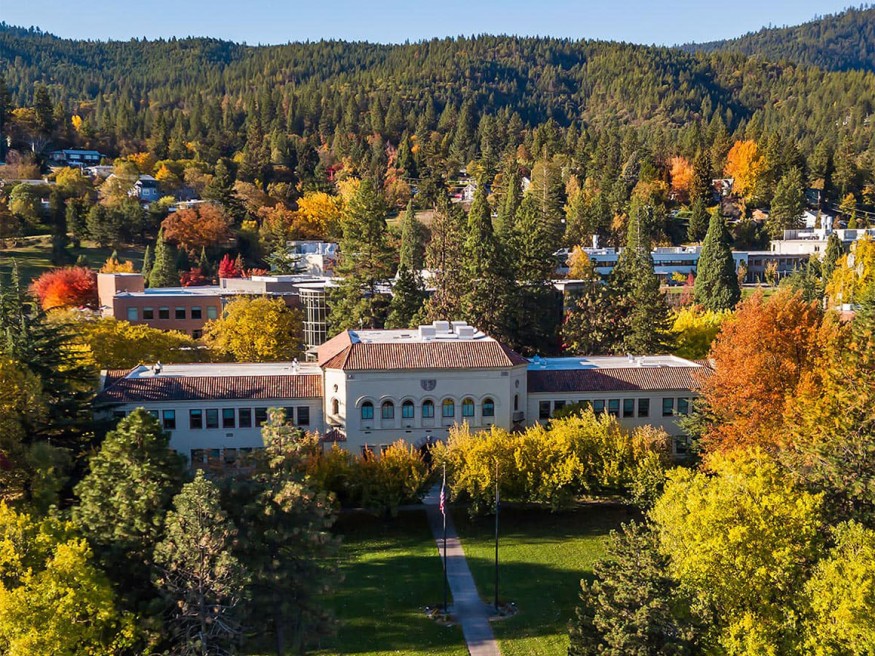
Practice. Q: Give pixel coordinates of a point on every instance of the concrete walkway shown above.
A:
(467, 607)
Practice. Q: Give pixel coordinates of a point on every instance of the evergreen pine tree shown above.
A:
(364, 264)
(285, 539)
(487, 300)
(445, 257)
(164, 272)
(203, 263)
(124, 497)
(698, 227)
(636, 291)
(412, 250)
(408, 297)
(199, 578)
(788, 204)
(510, 201)
(716, 282)
(147, 264)
(221, 190)
(831, 256)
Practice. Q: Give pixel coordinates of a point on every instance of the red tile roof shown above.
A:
(617, 380)
(477, 354)
(117, 388)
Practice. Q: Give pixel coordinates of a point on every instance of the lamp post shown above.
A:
(497, 506)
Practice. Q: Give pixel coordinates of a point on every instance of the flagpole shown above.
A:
(497, 505)
(444, 513)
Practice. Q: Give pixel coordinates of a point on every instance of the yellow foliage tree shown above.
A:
(580, 266)
(745, 166)
(21, 405)
(114, 265)
(319, 215)
(256, 330)
(53, 599)
(694, 330)
(71, 181)
(741, 541)
(853, 274)
(145, 162)
(682, 174)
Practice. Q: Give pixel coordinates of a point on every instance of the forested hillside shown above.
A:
(840, 42)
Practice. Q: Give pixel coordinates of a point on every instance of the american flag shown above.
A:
(443, 496)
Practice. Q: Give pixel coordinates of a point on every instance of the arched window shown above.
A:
(448, 409)
(387, 410)
(488, 408)
(428, 409)
(467, 407)
(335, 407)
(367, 410)
(407, 410)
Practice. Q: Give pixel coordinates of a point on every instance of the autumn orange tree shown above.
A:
(745, 165)
(760, 355)
(206, 225)
(68, 287)
(682, 175)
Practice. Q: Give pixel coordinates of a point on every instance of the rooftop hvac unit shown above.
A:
(465, 331)
(442, 326)
(427, 332)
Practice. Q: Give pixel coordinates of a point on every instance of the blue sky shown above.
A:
(392, 21)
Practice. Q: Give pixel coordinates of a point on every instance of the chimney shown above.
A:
(595, 241)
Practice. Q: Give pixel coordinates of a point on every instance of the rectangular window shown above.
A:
(628, 407)
(197, 334)
(227, 417)
(558, 405)
(289, 414)
(407, 410)
(213, 418)
(667, 407)
(260, 417)
(169, 417)
(132, 314)
(212, 313)
(543, 410)
(245, 417)
(643, 407)
(154, 413)
(614, 407)
(148, 313)
(196, 312)
(195, 419)
(164, 313)
(180, 313)
(598, 406)
(198, 456)
(303, 415)
(683, 406)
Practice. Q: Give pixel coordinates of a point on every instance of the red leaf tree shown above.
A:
(67, 287)
(228, 268)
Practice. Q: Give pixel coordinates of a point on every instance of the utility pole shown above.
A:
(497, 505)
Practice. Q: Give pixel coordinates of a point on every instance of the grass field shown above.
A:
(392, 571)
(542, 558)
(34, 257)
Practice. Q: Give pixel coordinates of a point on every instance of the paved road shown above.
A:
(467, 607)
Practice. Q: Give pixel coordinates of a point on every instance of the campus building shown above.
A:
(369, 388)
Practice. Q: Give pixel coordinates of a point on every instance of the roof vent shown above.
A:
(157, 367)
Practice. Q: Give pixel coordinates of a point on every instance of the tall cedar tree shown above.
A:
(831, 256)
(29, 339)
(412, 251)
(633, 607)
(788, 204)
(285, 539)
(221, 190)
(124, 497)
(487, 300)
(163, 272)
(716, 281)
(198, 576)
(408, 298)
(698, 226)
(148, 262)
(365, 262)
(510, 201)
(637, 293)
(445, 256)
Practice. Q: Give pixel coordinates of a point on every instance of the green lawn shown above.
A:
(35, 257)
(542, 558)
(392, 571)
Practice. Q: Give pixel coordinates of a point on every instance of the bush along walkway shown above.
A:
(467, 609)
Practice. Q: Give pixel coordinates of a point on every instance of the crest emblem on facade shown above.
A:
(428, 384)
